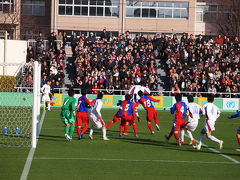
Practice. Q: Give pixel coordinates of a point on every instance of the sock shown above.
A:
(150, 127)
(91, 132)
(48, 106)
(72, 128)
(176, 136)
(170, 134)
(104, 132)
(156, 121)
(182, 134)
(135, 129)
(84, 129)
(201, 139)
(238, 139)
(213, 138)
(67, 129)
(190, 135)
(125, 128)
(121, 127)
(109, 124)
(78, 131)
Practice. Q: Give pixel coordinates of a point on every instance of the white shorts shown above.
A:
(191, 125)
(209, 126)
(45, 98)
(96, 123)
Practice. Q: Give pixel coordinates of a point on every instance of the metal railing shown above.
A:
(123, 92)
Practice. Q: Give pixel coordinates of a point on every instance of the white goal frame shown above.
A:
(36, 102)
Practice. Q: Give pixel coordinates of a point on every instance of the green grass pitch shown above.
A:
(146, 157)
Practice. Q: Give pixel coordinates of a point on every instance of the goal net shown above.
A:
(20, 111)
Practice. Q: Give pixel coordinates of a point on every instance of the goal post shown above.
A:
(20, 111)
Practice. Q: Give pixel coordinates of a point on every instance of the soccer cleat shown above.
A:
(221, 145)
(70, 138)
(136, 135)
(120, 134)
(125, 133)
(179, 142)
(198, 147)
(166, 137)
(152, 132)
(90, 136)
(105, 139)
(67, 137)
(79, 137)
(157, 126)
(238, 149)
(192, 142)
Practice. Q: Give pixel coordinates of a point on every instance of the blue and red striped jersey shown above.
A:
(146, 102)
(83, 104)
(180, 110)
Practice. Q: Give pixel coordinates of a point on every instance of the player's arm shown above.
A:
(131, 90)
(204, 110)
(90, 102)
(154, 100)
(235, 115)
(119, 103)
(173, 109)
(73, 107)
(218, 112)
(43, 89)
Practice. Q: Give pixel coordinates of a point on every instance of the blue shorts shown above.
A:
(238, 131)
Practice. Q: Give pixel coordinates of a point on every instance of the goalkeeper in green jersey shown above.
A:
(68, 114)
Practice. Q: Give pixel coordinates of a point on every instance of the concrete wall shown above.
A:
(15, 55)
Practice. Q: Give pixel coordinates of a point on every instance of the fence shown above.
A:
(123, 92)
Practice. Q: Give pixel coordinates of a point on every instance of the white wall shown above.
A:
(16, 54)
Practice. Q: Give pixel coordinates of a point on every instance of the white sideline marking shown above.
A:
(218, 152)
(28, 162)
(131, 160)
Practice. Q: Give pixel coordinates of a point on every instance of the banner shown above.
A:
(107, 101)
(158, 104)
(230, 104)
(57, 99)
(202, 101)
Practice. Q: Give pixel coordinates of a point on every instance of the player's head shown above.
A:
(210, 98)
(100, 95)
(178, 97)
(71, 92)
(83, 92)
(190, 98)
(48, 82)
(128, 97)
(140, 93)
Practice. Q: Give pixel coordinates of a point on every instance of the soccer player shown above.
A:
(180, 110)
(46, 92)
(96, 117)
(128, 115)
(238, 130)
(135, 89)
(82, 113)
(146, 102)
(194, 110)
(211, 112)
(116, 118)
(68, 114)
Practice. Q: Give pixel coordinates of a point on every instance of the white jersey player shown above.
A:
(96, 117)
(194, 111)
(46, 92)
(211, 112)
(135, 89)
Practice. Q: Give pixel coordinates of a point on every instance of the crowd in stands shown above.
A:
(194, 64)
(203, 65)
(114, 62)
(52, 60)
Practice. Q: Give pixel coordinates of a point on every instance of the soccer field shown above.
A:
(146, 157)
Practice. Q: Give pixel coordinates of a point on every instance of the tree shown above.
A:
(228, 17)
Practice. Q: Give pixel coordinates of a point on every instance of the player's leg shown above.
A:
(73, 125)
(48, 102)
(79, 124)
(211, 137)
(190, 127)
(64, 115)
(182, 133)
(135, 130)
(115, 119)
(170, 134)
(126, 125)
(85, 123)
(238, 138)
(155, 117)
(149, 121)
(121, 127)
(104, 130)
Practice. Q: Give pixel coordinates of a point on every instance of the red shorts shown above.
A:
(152, 115)
(82, 117)
(116, 118)
(177, 125)
(129, 119)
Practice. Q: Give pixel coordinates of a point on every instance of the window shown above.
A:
(100, 8)
(6, 6)
(33, 8)
(157, 9)
(206, 13)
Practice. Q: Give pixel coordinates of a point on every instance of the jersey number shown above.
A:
(147, 103)
(127, 107)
